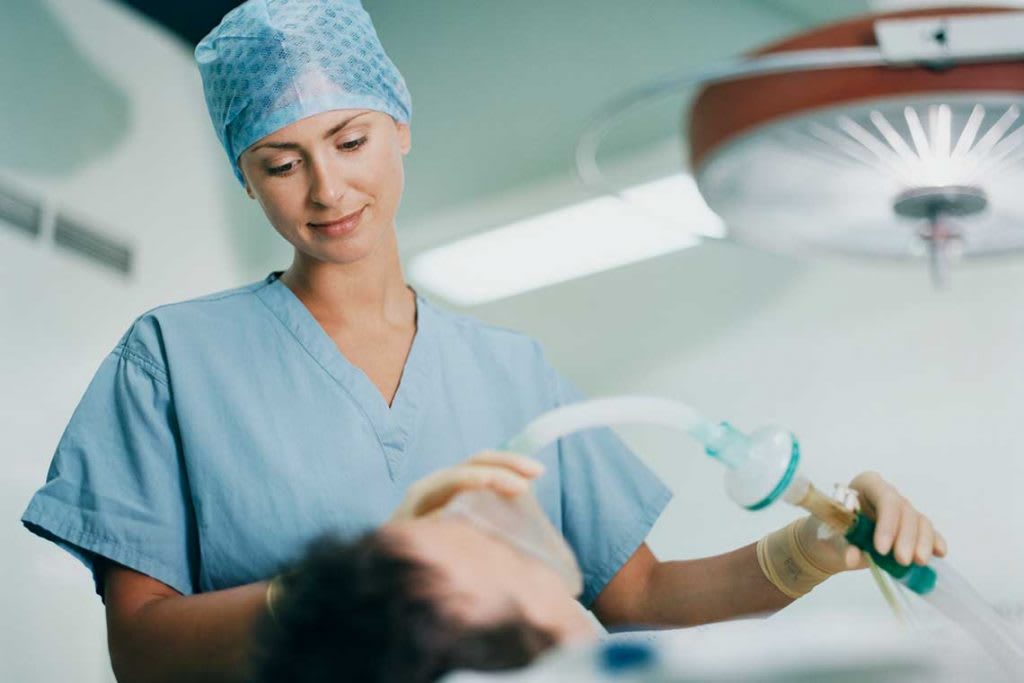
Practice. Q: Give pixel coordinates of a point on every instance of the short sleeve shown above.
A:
(610, 499)
(116, 487)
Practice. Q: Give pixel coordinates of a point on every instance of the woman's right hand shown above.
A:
(504, 472)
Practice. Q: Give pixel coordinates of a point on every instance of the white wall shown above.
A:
(108, 124)
(869, 366)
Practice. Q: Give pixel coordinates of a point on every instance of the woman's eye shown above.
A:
(280, 170)
(352, 144)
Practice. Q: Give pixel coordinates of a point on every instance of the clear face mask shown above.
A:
(520, 522)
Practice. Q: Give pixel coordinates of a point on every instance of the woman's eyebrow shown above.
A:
(294, 145)
(344, 123)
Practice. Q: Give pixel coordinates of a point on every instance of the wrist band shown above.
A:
(786, 564)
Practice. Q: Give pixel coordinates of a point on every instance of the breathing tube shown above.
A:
(763, 467)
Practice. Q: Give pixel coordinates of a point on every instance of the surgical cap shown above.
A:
(270, 63)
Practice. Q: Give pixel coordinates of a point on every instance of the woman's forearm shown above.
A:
(692, 592)
(156, 634)
(649, 593)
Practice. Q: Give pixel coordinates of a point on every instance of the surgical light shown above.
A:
(889, 136)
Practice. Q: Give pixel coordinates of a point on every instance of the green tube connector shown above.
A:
(919, 579)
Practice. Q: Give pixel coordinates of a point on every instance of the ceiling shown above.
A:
(192, 20)
(189, 20)
(501, 91)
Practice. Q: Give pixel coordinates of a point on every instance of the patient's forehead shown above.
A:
(483, 580)
(475, 573)
(450, 544)
(427, 535)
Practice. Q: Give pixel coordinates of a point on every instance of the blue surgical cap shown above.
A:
(272, 62)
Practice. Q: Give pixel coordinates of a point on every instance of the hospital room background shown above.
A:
(105, 138)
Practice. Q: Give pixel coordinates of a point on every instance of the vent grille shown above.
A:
(20, 212)
(91, 244)
(27, 216)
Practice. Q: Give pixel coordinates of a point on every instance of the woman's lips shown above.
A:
(342, 226)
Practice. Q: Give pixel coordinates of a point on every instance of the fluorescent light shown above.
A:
(676, 200)
(598, 234)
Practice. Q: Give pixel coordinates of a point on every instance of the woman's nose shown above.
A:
(327, 184)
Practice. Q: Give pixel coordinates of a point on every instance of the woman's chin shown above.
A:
(349, 249)
(350, 253)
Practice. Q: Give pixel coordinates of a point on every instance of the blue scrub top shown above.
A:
(224, 433)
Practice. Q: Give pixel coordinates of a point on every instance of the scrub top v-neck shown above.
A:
(223, 434)
(390, 423)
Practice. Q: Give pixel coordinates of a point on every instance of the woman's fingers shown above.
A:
(888, 510)
(899, 527)
(906, 536)
(854, 558)
(523, 465)
(436, 490)
(503, 472)
(870, 485)
(925, 540)
(494, 477)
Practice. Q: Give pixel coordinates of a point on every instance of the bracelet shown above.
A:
(273, 588)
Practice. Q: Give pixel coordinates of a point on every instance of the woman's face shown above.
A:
(330, 184)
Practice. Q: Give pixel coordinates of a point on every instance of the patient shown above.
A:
(421, 596)
(411, 602)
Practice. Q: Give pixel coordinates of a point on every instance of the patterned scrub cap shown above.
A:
(270, 63)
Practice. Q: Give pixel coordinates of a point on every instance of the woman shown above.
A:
(224, 433)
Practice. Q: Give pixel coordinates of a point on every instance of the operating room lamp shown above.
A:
(891, 135)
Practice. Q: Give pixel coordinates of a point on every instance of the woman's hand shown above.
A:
(898, 524)
(506, 473)
(899, 527)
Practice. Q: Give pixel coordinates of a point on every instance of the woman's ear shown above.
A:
(248, 187)
(245, 178)
(404, 137)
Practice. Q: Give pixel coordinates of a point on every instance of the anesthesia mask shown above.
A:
(520, 522)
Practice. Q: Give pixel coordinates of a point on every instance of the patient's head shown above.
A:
(412, 602)
(482, 579)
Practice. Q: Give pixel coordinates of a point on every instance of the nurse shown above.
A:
(224, 433)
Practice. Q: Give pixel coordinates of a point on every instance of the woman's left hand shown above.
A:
(899, 527)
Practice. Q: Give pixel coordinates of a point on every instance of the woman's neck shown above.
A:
(370, 291)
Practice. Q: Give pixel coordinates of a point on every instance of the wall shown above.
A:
(103, 119)
(869, 366)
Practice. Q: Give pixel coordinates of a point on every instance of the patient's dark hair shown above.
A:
(362, 611)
